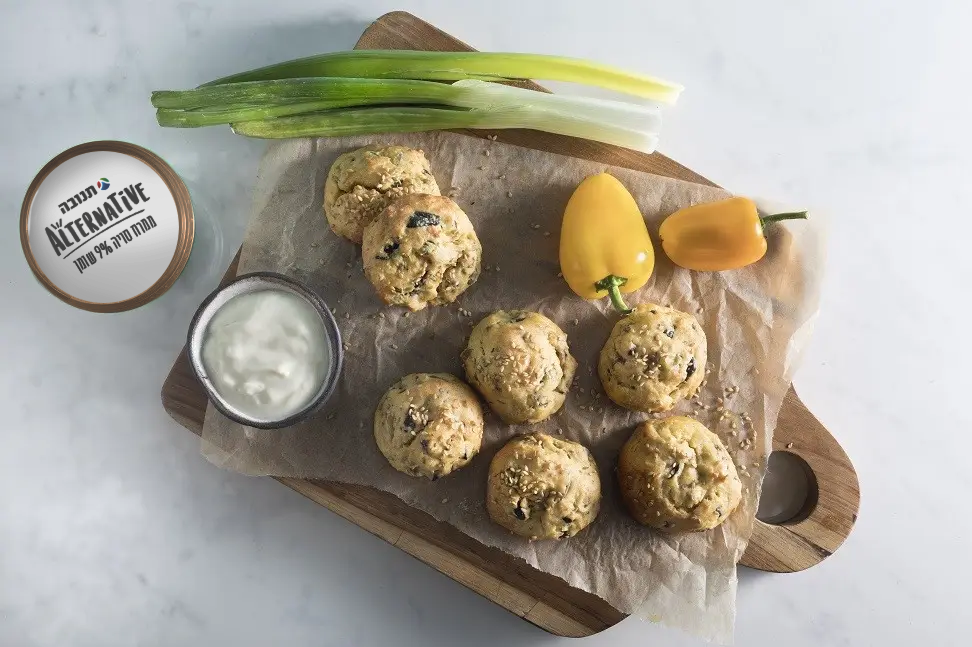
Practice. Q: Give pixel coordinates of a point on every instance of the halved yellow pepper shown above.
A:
(722, 235)
(605, 248)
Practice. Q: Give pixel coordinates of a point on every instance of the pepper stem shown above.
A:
(792, 215)
(611, 283)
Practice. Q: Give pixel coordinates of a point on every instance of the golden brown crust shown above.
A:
(676, 475)
(519, 361)
(429, 424)
(361, 183)
(421, 250)
(541, 487)
(653, 358)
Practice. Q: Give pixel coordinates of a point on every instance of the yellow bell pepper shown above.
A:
(605, 248)
(722, 235)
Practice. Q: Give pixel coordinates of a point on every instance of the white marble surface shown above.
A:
(113, 531)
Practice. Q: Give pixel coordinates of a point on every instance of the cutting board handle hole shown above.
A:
(789, 490)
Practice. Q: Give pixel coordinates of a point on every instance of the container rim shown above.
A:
(256, 282)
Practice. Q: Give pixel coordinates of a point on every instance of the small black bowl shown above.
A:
(255, 282)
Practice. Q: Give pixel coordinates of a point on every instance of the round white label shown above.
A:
(103, 227)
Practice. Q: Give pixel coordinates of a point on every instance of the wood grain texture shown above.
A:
(546, 601)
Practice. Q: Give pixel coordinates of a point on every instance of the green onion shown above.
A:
(455, 66)
(239, 112)
(257, 100)
(373, 91)
(359, 121)
(342, 91)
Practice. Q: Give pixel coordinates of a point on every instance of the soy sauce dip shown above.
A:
(267, 350)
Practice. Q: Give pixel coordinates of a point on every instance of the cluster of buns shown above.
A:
(419, 249)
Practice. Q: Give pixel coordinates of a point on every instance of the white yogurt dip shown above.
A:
(266, 353)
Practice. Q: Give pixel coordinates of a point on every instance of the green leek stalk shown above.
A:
(257, 100)
(227, 114)
(343, 92)
(455, 66)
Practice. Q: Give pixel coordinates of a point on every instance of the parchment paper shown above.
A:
(755, 318)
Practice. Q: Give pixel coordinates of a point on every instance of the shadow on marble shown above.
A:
(237, 50)
(748, 576)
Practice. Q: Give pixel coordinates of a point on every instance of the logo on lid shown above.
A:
(100, 249)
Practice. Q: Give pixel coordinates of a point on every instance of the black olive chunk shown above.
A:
(422, 219)
(388, 250)
(670, 333)
(518, 513)
(410, 422)
(690, 369)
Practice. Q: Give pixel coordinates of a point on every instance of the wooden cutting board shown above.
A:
(817, 530)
